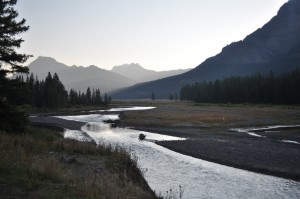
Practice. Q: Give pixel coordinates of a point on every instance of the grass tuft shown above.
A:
(31, 166)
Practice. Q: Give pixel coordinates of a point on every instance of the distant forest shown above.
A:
(266, 89)
(51, 93)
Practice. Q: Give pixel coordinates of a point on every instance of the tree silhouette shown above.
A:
(267, 88)
(153, 96)
(10, 63)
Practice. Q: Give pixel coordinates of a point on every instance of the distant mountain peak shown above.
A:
(273, 47)
(130, 66)
(138, 73)
(79, 77)
(44, 58)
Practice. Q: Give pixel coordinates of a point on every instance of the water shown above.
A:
(119, 109)
(165, 169)
(136, 108)
(267, 129)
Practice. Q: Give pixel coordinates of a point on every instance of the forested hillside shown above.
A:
(273, 47)
(280, 89)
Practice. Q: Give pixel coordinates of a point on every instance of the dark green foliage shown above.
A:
(9, 28)
(50, 93)
(175, 96)
(282, 89)
(12, 120)
(88, 98)
(152, 96)
(10, 63)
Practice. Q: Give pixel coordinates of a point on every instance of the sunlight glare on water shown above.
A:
(136, 108)
(164, 169)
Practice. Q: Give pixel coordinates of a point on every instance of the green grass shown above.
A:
(31, 167)
(68, 109)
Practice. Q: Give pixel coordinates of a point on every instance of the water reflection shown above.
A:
(165, 169)
(135, 108)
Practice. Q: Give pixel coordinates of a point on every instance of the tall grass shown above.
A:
(31, 167)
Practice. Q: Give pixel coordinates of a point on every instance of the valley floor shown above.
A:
(210, 136)
(209, 129)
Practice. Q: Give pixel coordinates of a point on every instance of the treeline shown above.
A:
(90, 97)
(281, 89)
(51, 93)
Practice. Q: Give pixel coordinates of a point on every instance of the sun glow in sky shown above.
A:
(157, 34)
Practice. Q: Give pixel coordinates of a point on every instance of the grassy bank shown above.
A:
(68, 109)
(188, 114)
(42, 164)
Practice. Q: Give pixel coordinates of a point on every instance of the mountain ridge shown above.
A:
(141, 74)
(275, 46)
(79, 77)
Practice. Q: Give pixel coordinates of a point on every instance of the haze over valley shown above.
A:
(274, 47)
(150, 99)
(79, 77)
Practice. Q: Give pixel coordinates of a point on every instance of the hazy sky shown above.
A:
(157, 34)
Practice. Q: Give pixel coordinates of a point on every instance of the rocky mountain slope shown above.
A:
(275, 46)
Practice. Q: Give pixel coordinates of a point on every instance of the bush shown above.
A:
(12, 120)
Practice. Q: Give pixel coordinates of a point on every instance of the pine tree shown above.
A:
(88, 96)
(49, 91)
(175, 96)
(152, 96)
(10, 119)
(106, 101)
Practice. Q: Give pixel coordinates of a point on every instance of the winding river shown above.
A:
(170, 173)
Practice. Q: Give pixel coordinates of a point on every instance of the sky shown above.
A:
(157, 34)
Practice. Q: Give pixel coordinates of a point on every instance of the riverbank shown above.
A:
(207, 128)
(42, 164)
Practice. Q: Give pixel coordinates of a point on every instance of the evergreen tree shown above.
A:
(10, 119)
(106, 101)
(152, 96)
(49, 91)
(175, 96)
(88, 96)
(60, 93)
(37, 94)
(98, 99)
(281, 89)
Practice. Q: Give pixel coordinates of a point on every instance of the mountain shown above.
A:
(79, 77)
(275, 46)
(140, 74)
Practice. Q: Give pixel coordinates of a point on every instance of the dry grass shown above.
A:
(31, 167)
(214, 115)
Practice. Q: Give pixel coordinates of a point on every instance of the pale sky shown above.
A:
(157, 34)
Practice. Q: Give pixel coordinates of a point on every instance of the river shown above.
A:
(170, 173)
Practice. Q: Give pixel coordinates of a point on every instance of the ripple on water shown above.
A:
(165, 169)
